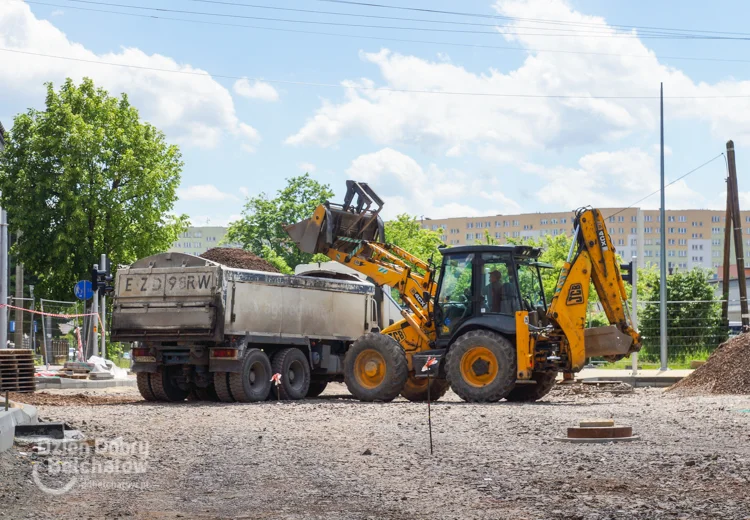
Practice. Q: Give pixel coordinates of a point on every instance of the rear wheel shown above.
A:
(481, 366)
(375, 368)
(144, 386)
(253, 383)
(164, 384)
(316, 388)
(292, 364)
(221, 384)
(545, 381)
(415, 389)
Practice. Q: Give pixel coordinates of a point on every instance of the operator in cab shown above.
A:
(493, 292)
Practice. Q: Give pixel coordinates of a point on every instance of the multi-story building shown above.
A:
(197, 240)
(695, 237)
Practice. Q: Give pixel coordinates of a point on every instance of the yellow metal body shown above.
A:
(524, 346)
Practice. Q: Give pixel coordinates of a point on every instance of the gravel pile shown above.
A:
(238, 259)
(727, 371)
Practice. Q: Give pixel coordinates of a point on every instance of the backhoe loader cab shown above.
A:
(484, 286)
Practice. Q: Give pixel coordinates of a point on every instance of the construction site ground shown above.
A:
(335, 458)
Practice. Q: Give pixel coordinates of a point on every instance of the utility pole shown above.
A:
(737, 225)
(727, 247)
(663, 254)
(103, 263)
(3, 278)
(634, 311)
(19, 299)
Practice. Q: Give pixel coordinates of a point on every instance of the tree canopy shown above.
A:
(83, 177)
(261, 228)
(406, 233)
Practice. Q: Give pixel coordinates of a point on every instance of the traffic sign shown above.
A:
(83, 290)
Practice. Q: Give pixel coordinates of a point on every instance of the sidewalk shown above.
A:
(643, 378)
(61, 383)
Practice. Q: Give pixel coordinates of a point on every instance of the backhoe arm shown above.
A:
(592, 260)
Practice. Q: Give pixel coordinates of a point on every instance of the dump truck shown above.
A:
(202, 330)
(480, 319)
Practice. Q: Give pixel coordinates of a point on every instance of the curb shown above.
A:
(60, 383)
(18, 414)
(639, 381)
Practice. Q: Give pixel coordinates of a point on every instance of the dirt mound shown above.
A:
(727, 371)
(239, 259)
(82, 399)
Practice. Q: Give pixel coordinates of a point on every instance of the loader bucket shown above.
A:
(341, 227)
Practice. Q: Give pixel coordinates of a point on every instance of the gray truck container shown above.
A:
(204, 330)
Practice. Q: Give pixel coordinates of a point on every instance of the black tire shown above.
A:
(206, 394)
(415, 389)
(253, 383)
(525, 393)
(316, 388)
(221, 384)
(164, 386)
(384, 359)
(294, 368)
(143, 380)
(492, 374)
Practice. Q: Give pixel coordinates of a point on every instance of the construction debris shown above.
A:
(727, 371)
(238, 259)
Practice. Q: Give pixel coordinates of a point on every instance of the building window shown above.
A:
(649, 230)
(647, 253)
(468, 235)
(716, 230)
(544, 221)
(497, 223)
(633, 218)
(506, 234)
(647, 242)
(682, 230)
(697, 235)
(682, 253)
(477, 235)
(717, 218)
(647, 218)
(563, 220)
(670, 242)
(516, 234)
(670, 218)
(515, 223)
(682, 242)
(682, 218)
(621, 230)
(497, 234)
(620, 242)
(553, 221)
(555, 232)
(716, 254)
(670, 230)
(528, 226)
(469, 225)
(716, 242)
(633, 241)
(611, 219)
(670, 252)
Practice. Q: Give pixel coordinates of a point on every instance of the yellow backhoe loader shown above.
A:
(482, 313)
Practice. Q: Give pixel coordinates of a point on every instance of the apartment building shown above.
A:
(695, 237)
(197, 240)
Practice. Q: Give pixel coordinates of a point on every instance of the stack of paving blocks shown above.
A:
(17, 370)
(76, 370)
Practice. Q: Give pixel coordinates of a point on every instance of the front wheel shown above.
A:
(375, 368)
(481, 366)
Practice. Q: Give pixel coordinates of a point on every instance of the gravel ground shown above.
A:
(305, 460)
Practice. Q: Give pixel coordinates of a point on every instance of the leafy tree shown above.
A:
(261, 228)
(693, 328)
(406, 233)
(83, 177)
(276, 260)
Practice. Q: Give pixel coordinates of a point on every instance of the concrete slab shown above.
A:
(17, 414)
(654, 378)
(61, 383)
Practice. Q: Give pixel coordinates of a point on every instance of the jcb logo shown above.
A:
(398, 335)
(575, 294)
(418, 297)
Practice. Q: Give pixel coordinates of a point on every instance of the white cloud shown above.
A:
(204, 193)
(610, 179)
(460, 125)
(406, 187)
(256, 90)
(244, 191)
(307, 167)
(205, 220)
(192, 110)
(57, 12)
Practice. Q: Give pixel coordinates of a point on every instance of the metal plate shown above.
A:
(600, 432)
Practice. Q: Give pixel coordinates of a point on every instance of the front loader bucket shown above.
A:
(341, 226)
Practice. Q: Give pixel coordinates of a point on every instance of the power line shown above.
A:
(359, 87)
(668, 185)
(578, 34)
(513, 18)
(388, 39)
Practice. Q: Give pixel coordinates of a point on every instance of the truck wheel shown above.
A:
(165, 387)
(221, 384)
(481, 366)
(375, 368)
(415, 389)
(292, 364)
(144, 386)
(545, 381)
(316, 388)
(206, 394)
(253, 383)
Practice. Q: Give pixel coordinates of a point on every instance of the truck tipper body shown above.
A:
(207, 331)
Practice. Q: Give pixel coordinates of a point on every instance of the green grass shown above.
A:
(648, 364)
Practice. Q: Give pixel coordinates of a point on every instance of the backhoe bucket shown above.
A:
(341, 226)
(607, 342)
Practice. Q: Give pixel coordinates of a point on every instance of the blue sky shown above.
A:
(429, 154)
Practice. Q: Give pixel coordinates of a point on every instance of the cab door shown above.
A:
(456, 293)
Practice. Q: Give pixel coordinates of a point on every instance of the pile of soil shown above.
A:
(238, 259)
(726, 371)
(81, 399)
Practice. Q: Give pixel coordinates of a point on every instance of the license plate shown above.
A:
(145, 359)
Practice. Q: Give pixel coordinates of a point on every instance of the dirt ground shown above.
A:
(306, 460)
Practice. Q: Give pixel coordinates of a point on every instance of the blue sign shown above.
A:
(12, 325)
(83, 290)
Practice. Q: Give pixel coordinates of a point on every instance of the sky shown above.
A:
(498, 107)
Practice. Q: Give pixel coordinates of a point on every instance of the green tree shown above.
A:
(261, 228)
(694, 325)
(406, 233)
(83, 177)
